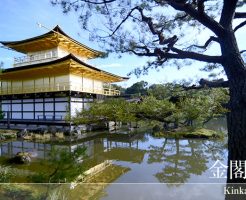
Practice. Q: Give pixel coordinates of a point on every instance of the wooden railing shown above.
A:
(111, 92)
(58, 87)
(33, 59)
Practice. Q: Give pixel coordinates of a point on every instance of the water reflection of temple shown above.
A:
(162, 160)
(100, 156)
(113, 147)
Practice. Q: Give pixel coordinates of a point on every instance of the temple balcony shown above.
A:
(35, 58)
(59, 87)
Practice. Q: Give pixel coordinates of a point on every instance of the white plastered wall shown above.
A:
(44, 84)
(86, 84)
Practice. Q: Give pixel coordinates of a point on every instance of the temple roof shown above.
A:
(55, 37)
(69, 63)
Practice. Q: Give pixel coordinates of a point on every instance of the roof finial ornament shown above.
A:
(39, 25)
(42, 26)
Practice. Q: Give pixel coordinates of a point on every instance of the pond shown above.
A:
(128, 166)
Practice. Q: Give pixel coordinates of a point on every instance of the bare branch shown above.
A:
(123, 21)
(94, 2)
(240, 26)
(239, 15)
(179, 18)
(147, 53)
(143, 48)
(211, 39)
(195, 56)
(242, 51)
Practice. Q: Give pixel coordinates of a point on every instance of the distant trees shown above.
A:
(159, 91)
(139, 88)
(143, 88)
(120, 88)
(167, 90)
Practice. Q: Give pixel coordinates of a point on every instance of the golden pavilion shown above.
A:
(51, 80)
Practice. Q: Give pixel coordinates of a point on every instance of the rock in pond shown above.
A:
(21, 133)
(2, 137)
(21, 158)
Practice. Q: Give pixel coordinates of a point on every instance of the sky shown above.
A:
(19, 21)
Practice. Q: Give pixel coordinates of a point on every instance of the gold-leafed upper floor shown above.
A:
(67, 73)
(54, 38)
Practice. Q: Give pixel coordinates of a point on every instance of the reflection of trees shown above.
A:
(218, 149)
(217, 125)
(183, 158)
(175, 163)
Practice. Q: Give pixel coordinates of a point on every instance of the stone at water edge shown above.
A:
(2, 137)
(21, 133)
(21, 158)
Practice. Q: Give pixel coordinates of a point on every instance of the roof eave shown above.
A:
(56, 29)
(63, 59)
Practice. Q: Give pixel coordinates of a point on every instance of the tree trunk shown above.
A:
(236, 122)
(236, 118)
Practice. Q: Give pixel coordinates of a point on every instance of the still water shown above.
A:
(138, 166)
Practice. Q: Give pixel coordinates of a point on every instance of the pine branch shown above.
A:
(208, 84)
(147, 53)
(195, 56)
(178, 54)
(213, 84)
(122, 22)
(203, 18)
(154, 31)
